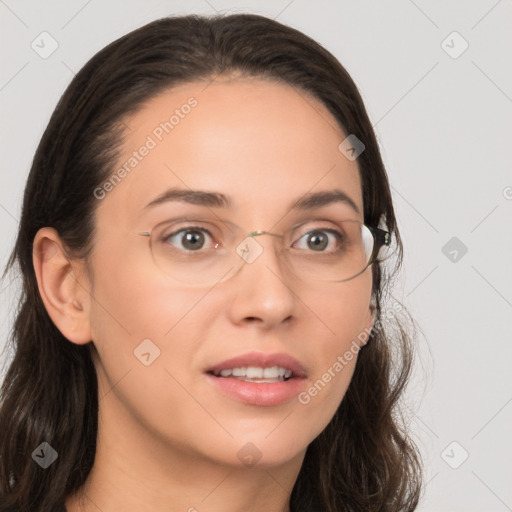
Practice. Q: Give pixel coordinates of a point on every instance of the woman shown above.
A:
(202, 325)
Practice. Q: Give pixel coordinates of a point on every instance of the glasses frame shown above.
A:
(381, 238)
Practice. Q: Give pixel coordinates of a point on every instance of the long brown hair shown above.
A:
(364, 459)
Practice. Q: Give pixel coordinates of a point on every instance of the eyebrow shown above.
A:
(218, 200)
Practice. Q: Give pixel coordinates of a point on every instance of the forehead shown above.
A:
(260, 143)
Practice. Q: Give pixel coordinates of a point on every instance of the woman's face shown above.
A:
(264, 146)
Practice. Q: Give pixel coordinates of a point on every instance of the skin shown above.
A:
(168, 440)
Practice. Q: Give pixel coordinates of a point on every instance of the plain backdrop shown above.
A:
(436, 80)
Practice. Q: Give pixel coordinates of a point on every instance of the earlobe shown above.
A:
(372, 311)
(65, 297)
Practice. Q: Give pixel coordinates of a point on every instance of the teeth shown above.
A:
(256, 372)
(274, 371)
(253, 372)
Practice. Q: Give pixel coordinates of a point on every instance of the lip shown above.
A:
(264, 394)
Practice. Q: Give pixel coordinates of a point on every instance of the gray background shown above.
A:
(445, 128)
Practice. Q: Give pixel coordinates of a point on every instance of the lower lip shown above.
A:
(252, 393)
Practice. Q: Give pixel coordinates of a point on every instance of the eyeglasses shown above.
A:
(206, 251)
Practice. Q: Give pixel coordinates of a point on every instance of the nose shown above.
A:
(263, 284)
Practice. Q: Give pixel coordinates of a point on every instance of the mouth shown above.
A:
(257, 374)
(259, 379)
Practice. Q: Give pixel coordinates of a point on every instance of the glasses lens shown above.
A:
(195, 252)
(349, 252)
(204, 253)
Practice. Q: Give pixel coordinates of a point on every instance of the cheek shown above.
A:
(340, 313)
(136, 312)
(132, 298)
(343, 321)
(146, 335)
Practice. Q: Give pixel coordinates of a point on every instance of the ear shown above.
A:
(63, 286)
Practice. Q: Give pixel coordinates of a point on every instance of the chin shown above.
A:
(257, 451)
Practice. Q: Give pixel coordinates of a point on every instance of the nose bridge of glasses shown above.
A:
(259, 232)
(249, 250)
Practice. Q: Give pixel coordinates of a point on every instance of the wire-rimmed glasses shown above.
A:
(205, 251)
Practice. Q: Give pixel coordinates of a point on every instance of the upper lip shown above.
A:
(263, 360)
